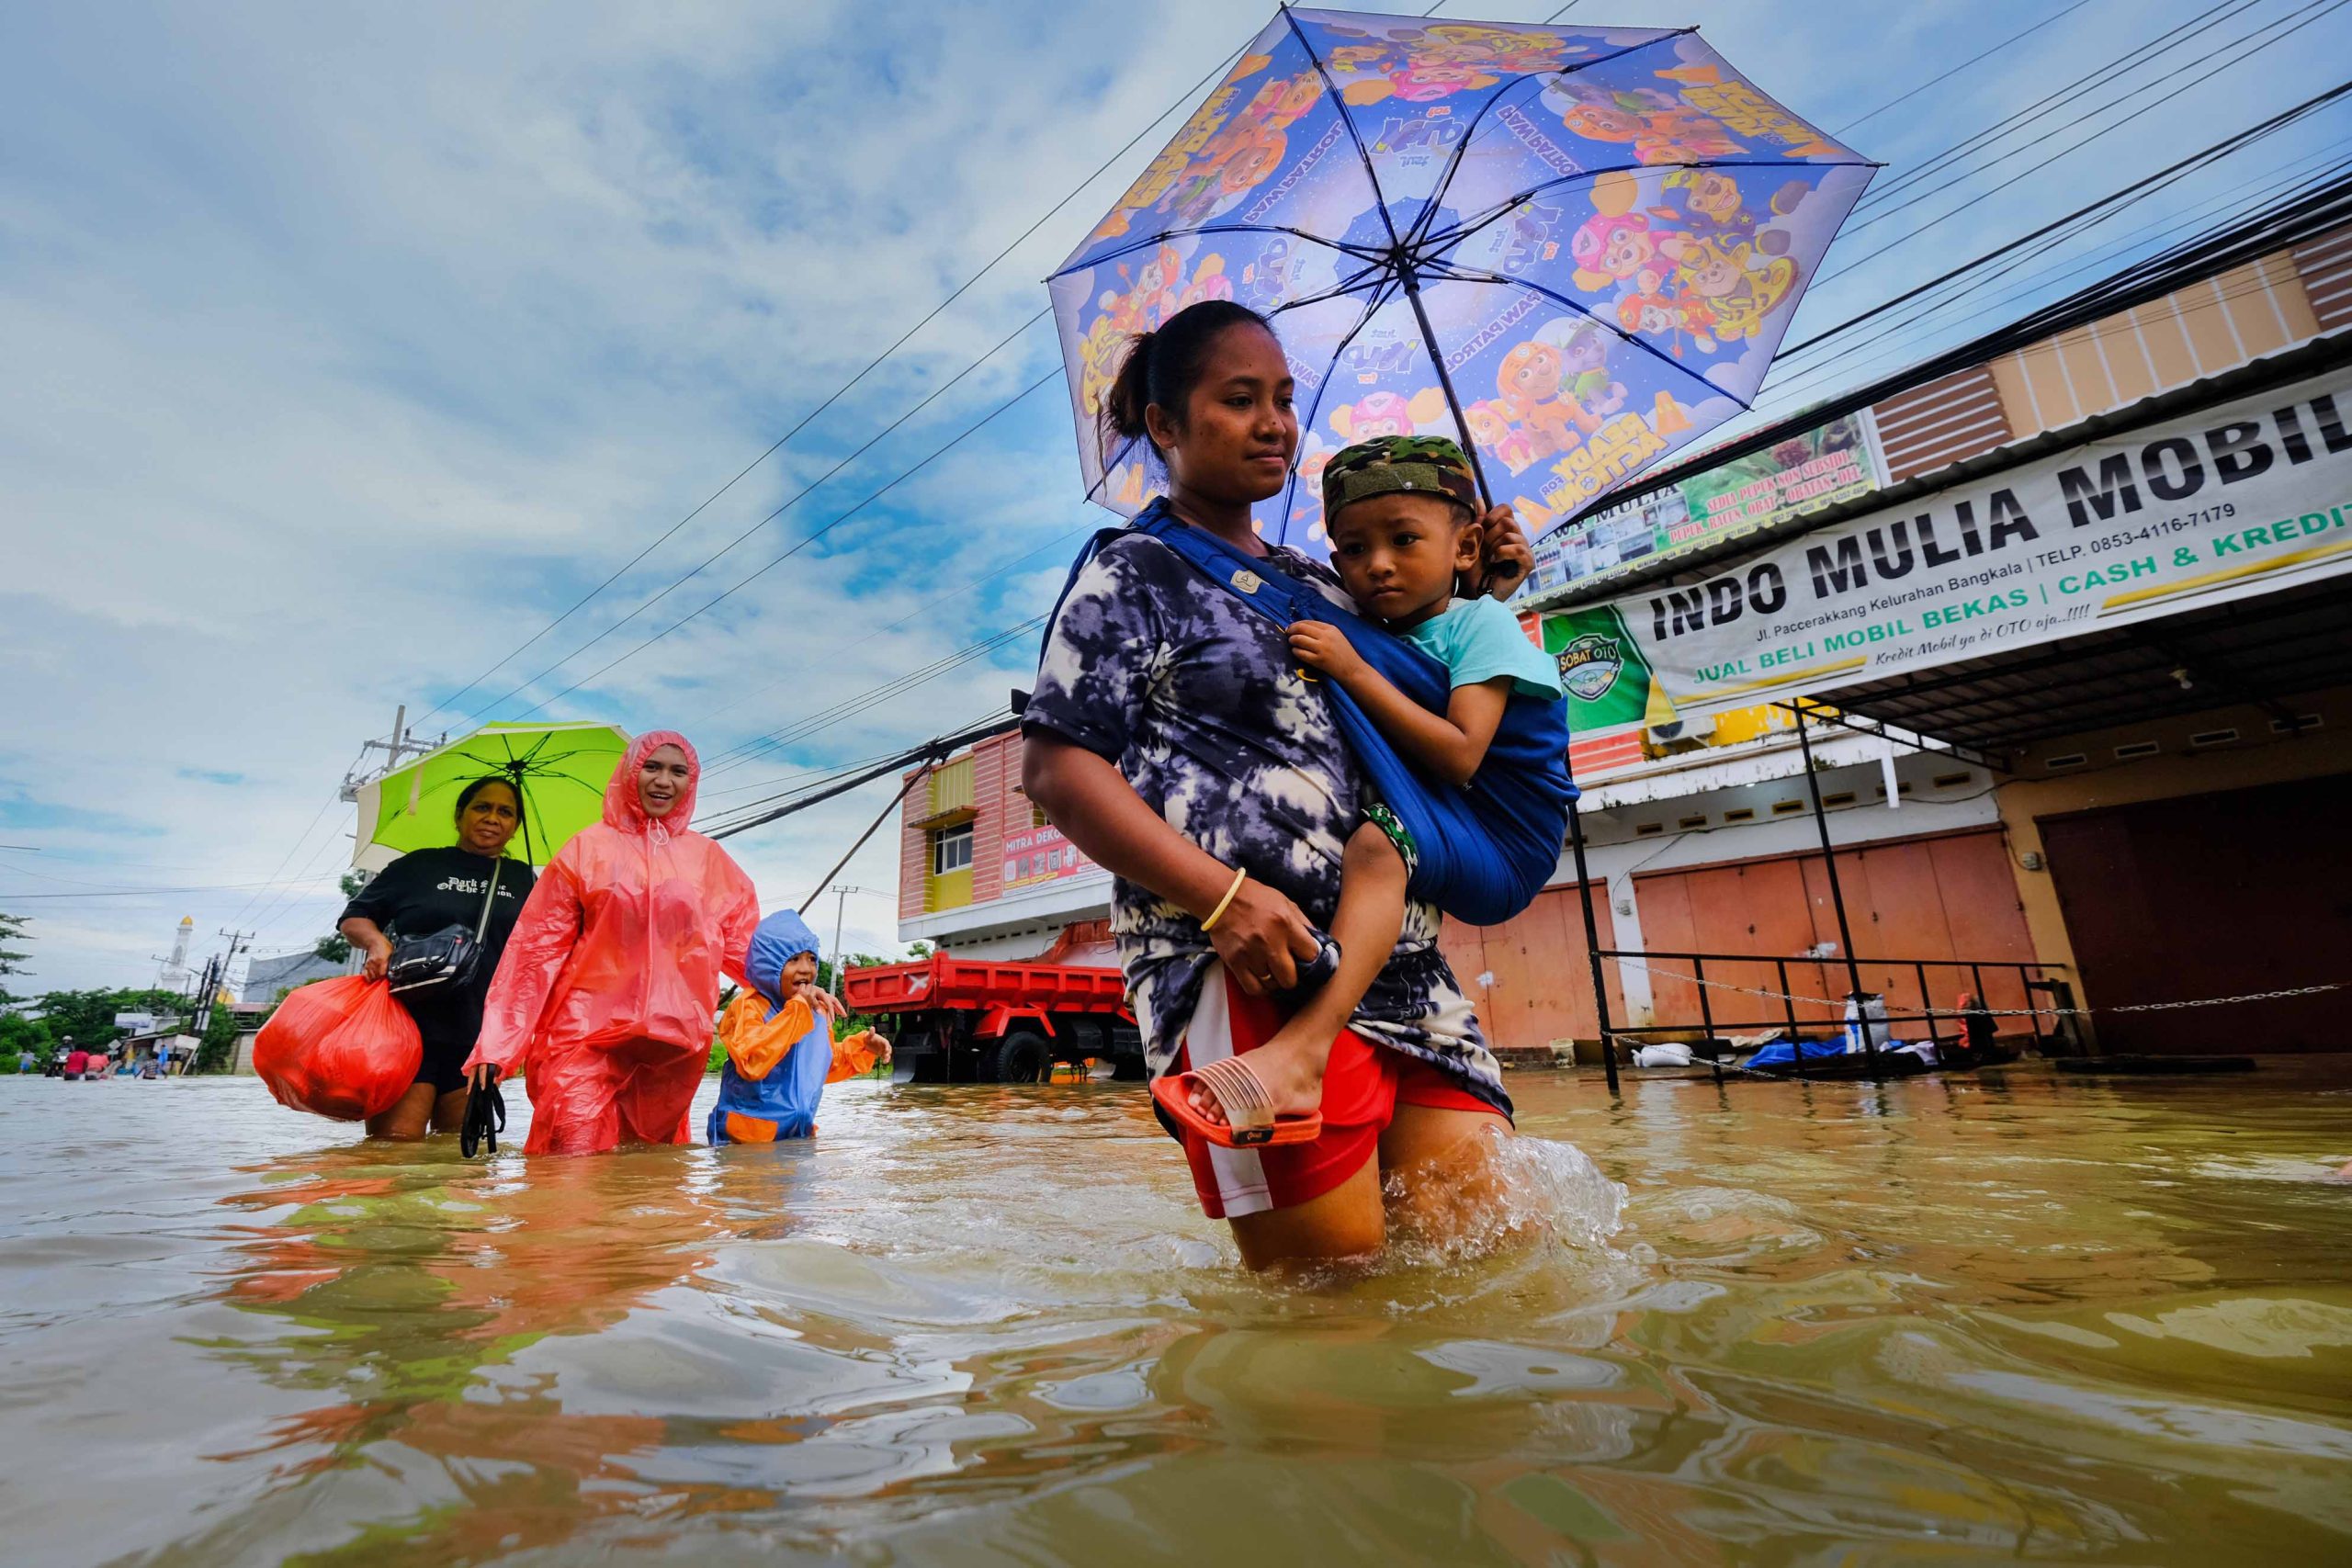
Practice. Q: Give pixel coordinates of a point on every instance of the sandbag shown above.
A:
(344, 1048)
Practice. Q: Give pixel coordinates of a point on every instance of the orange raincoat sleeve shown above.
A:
(544, 933)
(755, 1042)
(855, 1055)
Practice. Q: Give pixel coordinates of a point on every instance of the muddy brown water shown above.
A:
(2014, 1317)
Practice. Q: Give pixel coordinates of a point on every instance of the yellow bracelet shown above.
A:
(1224, 903)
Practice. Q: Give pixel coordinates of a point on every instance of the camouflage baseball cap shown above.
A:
(1417, 463)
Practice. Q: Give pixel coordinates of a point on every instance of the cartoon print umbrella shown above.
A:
(559, 770)
(1572, 249)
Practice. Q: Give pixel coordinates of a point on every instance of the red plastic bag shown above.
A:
(344, 1048)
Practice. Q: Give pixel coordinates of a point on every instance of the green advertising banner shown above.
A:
(1821, 466)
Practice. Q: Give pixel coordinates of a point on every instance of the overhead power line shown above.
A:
(936, 311)
(876, 363)
(936, 749)
(964, 289)
(145, 892)
(2220, 149)
(777, 739)
(873, 698)
(1974, 59)
(732, 758)
(237, 920)
(796, 497)
(936, 453)
(2050, 102)
(2309, 172)
(2210, 69)
(664, 592)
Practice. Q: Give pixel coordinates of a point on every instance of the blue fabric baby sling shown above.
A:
(1481, 852)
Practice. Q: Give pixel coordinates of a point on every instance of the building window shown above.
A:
(951, 850)
(1038, 817)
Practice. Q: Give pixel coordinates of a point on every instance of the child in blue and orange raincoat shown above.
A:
(780, 1053)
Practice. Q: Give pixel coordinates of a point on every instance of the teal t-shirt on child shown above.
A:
(1478, 640)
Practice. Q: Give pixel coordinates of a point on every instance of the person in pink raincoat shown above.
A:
(610, 983)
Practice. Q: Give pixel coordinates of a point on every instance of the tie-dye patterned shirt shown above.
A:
(1193, 696)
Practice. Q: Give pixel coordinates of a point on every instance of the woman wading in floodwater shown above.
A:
(426, 891)
(610, 984)
(1172, 737)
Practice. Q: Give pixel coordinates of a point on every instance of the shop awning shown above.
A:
(2263, 652)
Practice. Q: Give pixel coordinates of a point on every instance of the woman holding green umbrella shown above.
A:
(472, 885)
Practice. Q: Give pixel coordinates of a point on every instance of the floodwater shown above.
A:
(2016, 1317)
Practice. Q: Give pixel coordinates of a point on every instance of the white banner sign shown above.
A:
(2246, 498)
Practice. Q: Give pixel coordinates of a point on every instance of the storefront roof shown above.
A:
(2262, 652)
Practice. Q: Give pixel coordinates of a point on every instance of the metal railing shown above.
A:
(2032, 978)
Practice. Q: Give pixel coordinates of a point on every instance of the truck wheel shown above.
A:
(1126, 1050)
(1022, 1057)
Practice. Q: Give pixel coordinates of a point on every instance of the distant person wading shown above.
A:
(426, 891)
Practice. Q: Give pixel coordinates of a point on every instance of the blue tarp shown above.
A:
(1775, 1053)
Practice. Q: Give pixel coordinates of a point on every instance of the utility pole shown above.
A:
(207, 987)
(400, 744)
(841, 891)
(216, 975)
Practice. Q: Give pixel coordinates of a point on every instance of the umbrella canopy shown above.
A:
(559, 770)
(1573, 250)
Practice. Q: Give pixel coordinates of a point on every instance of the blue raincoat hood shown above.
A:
(780, 938)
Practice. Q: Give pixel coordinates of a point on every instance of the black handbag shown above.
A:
(447, 961)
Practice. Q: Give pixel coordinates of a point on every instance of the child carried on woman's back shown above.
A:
(779, 1041)
(1402, 516)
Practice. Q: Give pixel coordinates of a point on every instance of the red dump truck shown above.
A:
(955, 1019)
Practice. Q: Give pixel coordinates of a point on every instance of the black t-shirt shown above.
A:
(427, 891)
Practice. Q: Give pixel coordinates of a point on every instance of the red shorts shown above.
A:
(1363, 1086)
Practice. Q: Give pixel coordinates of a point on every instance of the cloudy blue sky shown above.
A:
(347, 346)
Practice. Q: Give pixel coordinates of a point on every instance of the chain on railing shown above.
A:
(1929, 1010)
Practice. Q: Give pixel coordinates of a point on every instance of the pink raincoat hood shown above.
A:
(622, 808)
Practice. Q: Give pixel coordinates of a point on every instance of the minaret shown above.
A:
(175, 976)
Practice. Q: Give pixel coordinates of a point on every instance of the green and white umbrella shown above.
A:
(559, 770)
